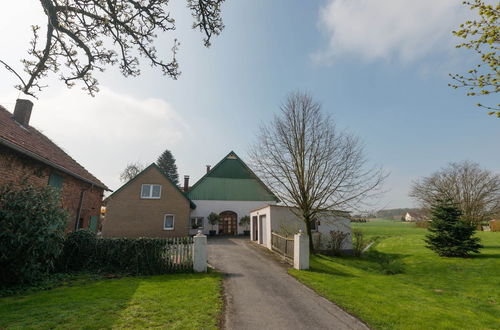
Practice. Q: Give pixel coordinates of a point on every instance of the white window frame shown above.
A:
(150, 191)
(165, 219)
(197, 218)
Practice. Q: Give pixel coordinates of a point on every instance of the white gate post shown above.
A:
(301, 251)
(200, 253)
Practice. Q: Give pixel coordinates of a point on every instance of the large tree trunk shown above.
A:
(308, 230)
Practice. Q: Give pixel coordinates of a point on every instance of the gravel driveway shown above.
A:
(261, 295)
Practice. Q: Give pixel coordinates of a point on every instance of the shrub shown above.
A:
(245, 221)
(83, 251)
(359, 242)
(213, 219)
(337, 239)
(32, 225)
(451, 236)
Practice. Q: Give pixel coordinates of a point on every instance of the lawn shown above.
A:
(430, 292)
(175, 301)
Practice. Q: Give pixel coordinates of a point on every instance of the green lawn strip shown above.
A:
(174, 301)
(431, 293)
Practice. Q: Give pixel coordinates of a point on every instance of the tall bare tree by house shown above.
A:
(166, 162)
(475, 190)
(310, 164)
(131, 171)
(83, 36)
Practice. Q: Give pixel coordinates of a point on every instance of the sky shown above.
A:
(380, 68)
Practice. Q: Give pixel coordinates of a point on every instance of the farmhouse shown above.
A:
(28, 155)
(414, 216)
(283, 220)
(230, 189)
(149, 205)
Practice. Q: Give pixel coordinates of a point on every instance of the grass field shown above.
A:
(428, 292)
(176, 301)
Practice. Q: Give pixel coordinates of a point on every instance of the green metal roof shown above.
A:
(231, 179)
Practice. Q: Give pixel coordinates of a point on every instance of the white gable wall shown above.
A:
(241, 208)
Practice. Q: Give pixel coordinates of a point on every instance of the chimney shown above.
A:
(22, 111)
(208, 168)
(186, 183)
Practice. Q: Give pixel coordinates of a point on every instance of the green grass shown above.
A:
(176, 301)
(430, 293)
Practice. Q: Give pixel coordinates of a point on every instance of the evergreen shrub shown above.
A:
(32, 224)
(451, 236)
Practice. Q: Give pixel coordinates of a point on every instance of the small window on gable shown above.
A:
(314, 225)
(151, 191)
(168, 222)
(56, 181)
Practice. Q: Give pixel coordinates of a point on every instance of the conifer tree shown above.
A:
(166, 162)
(449, 235)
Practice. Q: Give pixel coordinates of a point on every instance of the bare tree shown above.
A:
(131, 171)
(311, 165)
(475, 190)
(86, 35)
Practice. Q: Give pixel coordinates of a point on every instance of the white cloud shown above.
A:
(106, 132)
(403, 30)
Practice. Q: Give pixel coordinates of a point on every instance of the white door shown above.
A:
(262, 227)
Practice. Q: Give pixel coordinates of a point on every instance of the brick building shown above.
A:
(149, 205)
(28, 155)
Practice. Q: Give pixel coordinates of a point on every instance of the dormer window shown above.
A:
(151, 191)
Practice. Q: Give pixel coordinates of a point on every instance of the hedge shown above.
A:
(84, 251)
(32, 225)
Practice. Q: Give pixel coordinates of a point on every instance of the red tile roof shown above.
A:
(29, 141)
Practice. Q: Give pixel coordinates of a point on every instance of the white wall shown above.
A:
(281, 219)
(241, 208)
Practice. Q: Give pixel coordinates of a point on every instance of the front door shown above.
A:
(227, 224)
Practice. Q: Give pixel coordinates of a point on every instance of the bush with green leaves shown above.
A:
(213, 219)
(245, 221)
(32, 224)
(451, 236)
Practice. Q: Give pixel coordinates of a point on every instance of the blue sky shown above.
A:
(379, 68)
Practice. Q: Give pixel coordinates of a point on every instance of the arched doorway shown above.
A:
(228, 223)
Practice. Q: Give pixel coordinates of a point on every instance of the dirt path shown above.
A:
(261, 295)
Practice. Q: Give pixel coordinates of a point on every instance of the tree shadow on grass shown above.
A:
(88, 305)
(325, 268)
(485, 256)
(374, 262)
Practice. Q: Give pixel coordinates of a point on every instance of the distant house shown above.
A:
(415, 216)
(230, 189)
(284, 220)
(28, 155)
(149, 205)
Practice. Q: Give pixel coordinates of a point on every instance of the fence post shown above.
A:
(200, 253)
(301, 251)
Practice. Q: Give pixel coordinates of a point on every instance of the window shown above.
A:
(197, 222)
(151, 191)
(55, 180)
(168, 222)
(314, 225)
